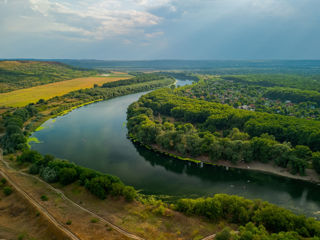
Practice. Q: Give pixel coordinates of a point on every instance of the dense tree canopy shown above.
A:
(196, 127)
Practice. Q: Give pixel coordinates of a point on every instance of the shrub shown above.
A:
(94, 220)
(224, 234)
(69, 222)
(31, 156)
(44, 198)
(87, 174)
(49, 175)
(129, 193)
(7, 190)
(67, 175)
(117, 189)
(3, 181)
(95, 186)
(34, 169)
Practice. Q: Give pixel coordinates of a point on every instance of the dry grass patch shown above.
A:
(23, 97)
(19, 220)
(72, 217)
(144, 219)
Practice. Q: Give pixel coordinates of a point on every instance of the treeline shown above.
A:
(280, 80)
(15, 137)
(215, 132)
(140, 78)
(256, 214)
(54, 170)
(251, 96)
(100, 93)
(294, 95)
(219, 117)
(24, 74)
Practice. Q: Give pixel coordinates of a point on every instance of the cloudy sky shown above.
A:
(160, 29)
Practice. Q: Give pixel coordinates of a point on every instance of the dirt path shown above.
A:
(38, 206)
(61, 194)
(209, 237)
(118, 229)
(71, 233)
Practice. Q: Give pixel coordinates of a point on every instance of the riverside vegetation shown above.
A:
(259, 220)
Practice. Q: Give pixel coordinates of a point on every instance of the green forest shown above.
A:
(24, 74)
(196, 121)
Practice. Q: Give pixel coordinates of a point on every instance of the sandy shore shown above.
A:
(311, 175)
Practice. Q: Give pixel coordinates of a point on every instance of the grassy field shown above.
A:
(23, 97)
(16, 75)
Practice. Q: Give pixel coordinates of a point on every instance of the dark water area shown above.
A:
(95, 136)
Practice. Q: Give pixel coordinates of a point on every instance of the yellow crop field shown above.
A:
(22, 97)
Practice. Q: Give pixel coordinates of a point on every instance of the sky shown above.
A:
(160, 29)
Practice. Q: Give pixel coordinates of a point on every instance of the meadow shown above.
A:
(22, 97)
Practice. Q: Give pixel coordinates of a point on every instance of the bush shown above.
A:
(224, 234)
(94, 220)
(117, 189)
(44, 198)
(67, 175)
(3, 181)
(49, 175)
(31, 156)
(87, 174)
(129, 193)
(34, 169)
(95, 186)
(7, 190)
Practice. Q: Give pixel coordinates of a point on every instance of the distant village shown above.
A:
(251, 98)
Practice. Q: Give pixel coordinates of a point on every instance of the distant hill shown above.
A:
(24, 74)
(221, 67)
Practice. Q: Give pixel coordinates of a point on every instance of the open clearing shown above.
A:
(22, 97)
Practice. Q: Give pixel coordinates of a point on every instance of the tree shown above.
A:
(302, 152)
(224, 234)
(67, 175)
(235, 134)
(49, 175)
(129, 193)
(316, 161)
(297, 165)
(31, 156)
(95, 186)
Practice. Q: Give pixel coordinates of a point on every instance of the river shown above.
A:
(94, 136)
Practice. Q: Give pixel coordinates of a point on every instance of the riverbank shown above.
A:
(66, 104)
(88, 217)
(311, 175)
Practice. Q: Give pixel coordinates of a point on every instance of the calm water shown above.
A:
(94, 136)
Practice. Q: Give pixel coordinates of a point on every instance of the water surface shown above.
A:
(94, 136)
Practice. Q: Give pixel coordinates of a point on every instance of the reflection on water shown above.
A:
(95, 136)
